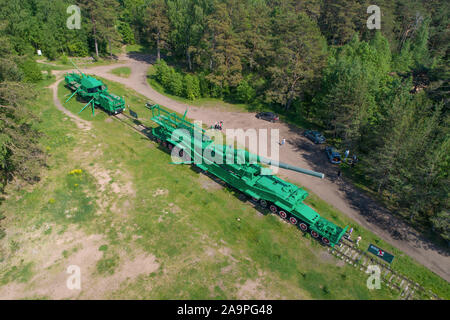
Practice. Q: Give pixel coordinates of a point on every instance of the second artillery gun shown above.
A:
(93, 90)
(244, 172)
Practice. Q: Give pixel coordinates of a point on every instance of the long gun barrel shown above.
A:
(77, 67)
(289, 167)
(163, 117)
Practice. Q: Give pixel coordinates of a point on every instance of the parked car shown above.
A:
(269, 116)
(333, 155)
(314, 136)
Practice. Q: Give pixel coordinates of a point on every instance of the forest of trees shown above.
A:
(381, 93)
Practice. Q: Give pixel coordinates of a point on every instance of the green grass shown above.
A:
(21, 273)
(138, 48)
(80, 62)
(122, 72)
(73, 193)
(108, 264)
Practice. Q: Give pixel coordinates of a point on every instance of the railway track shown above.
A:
(409, 290)
(139, 127)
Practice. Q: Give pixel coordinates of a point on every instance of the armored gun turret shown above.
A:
(245, 172)
(94, 91)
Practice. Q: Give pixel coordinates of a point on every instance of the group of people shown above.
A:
(218, 125)
(352, 163)
(354, 158)
(358, 239)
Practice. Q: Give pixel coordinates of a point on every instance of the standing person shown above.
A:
(221, 125)
(350, 232)
(347, 152)
(339, 173)
(358, 240)
(283, 141)
(215, 125)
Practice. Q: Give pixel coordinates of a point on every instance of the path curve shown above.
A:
(299, 152)
(82, 124)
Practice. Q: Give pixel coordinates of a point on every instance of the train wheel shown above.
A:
(254, 200)
(159, 140)
(314, 234)
(282, 214)
(325, 240)
(263, 203)
(242, 196)
(293, 220)
(170, 146)
(273, 208)
(303, 226)
(164, 144)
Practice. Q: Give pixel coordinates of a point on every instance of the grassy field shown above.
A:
(122, 72)
(63, 64)
(138, 48)
(139, 227)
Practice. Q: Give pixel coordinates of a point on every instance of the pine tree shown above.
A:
(158, 25)
(222, 49)
(297, 55)
(340, 19)
(187, 25)
(103, 15)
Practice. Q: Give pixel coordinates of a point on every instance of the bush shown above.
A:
(176, 82)
(31, 71)
(204, 86)
(216, 91)
(9, 71)
(441, 225)
(64, 59)
(188, 86)
(126, 32)
(245, 92)
(78, 48)
(162, 73)
(191, 87)
(50, 53)
(170, 79)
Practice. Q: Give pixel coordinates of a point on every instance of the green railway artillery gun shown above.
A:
(93, 90)
(243, 171)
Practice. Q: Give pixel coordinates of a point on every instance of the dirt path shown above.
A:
(82, 124)
(299, 152)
